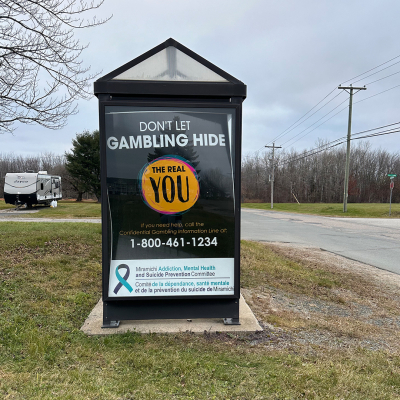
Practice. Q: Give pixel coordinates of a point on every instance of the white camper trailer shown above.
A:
(31, 188)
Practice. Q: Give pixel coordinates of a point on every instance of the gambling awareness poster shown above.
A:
(171, 201)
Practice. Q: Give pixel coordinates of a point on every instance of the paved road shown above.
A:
(372, 241)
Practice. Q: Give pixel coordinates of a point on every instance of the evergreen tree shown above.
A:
(83, 163)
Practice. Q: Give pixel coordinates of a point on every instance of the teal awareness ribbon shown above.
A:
(122, 280)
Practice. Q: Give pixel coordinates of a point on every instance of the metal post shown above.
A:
(273, 171)
(391, 191)
(347, 167)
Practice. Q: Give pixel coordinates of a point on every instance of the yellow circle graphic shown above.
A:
(169, 185)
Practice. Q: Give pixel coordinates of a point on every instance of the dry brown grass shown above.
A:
(308, 290)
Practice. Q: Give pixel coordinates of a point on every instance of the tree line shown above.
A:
(319, 177)
(299, 176)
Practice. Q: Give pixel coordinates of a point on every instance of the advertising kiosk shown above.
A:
(170, 140)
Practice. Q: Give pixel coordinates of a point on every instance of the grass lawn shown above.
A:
(360, 210)
(50, 278)
(4, 206)
(64, 209)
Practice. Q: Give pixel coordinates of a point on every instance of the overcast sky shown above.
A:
(289, 53)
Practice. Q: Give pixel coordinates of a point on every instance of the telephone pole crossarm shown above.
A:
(352, 87)
(273, 147)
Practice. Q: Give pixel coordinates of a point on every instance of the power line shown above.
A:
(379, 127)
(291, 127)
(311, 115)
(309, 155)
(324, 147)
(257, 150)
(287, 129)
(357, 133)
(335, 115)
(377, 72)
(377, 134)
(315, 123)
(371, 69)
(359, 101)
(281, 134)
(398, 72)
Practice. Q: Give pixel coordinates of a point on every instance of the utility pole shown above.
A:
(273, 147)
(347, 167)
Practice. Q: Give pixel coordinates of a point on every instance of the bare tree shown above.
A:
(319, 177)
(41, 73)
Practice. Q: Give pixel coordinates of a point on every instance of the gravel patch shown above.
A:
(372, 326)
(10, 212)
(329, 340)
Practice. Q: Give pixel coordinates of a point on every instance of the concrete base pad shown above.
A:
(248, 321)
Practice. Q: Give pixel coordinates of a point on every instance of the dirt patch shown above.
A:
(361, 311)
(335, 262)
(17, 211)
(270, 336)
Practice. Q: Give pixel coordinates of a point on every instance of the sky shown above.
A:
(289, 53)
